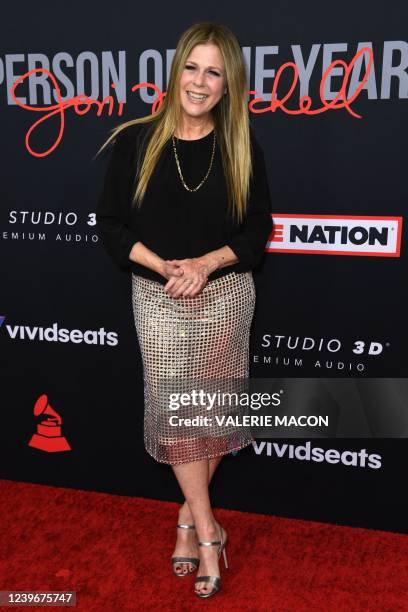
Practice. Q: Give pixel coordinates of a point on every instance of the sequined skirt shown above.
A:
(196, 344)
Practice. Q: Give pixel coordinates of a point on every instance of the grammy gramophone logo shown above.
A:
(49, 436)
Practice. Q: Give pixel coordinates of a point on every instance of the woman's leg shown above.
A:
(185, 511)
(186, 543)
(193, 479)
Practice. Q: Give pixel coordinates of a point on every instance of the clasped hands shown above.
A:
(186, 277)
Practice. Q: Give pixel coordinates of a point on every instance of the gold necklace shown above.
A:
(179, 169)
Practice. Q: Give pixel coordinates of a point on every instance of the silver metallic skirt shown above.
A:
(192, 344)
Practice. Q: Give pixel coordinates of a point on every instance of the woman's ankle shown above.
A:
(208, 529)
(185, 513)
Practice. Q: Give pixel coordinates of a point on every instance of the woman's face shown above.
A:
(203, 75)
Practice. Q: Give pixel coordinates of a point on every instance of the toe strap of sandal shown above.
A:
(193, 560)
(214, 580)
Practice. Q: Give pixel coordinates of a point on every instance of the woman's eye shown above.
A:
(189, 67)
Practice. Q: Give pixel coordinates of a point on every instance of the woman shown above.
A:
(186, 208)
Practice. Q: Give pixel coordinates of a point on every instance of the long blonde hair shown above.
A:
(230, 115)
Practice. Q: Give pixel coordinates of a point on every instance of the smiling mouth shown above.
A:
(197, 97)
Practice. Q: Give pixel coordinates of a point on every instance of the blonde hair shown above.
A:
(230, 115)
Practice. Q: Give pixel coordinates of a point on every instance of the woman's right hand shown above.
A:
(195, 273)
(169, 270)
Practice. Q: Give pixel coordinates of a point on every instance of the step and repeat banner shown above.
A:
(327, 97)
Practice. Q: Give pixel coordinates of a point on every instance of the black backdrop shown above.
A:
(56, 272)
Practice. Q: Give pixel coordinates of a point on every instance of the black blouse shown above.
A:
(176, 223)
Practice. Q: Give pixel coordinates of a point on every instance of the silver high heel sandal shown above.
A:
(193, 560)
(214, 580)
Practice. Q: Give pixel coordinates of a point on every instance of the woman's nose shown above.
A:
(199, 80)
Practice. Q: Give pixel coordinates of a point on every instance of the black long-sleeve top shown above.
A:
(176, 223)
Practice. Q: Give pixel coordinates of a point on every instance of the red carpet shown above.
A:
(114, 551)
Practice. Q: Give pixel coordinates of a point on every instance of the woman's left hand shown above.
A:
(193, 280)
